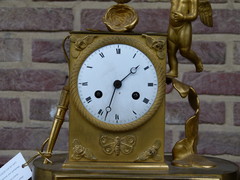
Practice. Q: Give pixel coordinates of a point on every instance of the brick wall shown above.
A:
(33, 71)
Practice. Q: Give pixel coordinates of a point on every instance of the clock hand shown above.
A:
(108, 108)
(117, 84)
(133, 70)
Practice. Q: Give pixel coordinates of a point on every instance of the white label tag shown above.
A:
(13, 170)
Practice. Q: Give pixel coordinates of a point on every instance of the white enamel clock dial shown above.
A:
(117, 84)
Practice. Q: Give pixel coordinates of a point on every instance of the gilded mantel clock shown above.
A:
(115, 96)
(117, 100)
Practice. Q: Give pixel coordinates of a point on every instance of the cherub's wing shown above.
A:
(205, 12)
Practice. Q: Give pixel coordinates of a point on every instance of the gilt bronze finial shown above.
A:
(120, 17)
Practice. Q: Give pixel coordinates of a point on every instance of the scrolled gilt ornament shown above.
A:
(185, 150)
(80, 44)
(80, 152)
(150, 153)
(156, 44)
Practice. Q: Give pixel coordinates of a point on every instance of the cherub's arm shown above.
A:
(193, 11)
(191, 15)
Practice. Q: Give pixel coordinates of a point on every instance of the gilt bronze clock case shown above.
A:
(110, 75)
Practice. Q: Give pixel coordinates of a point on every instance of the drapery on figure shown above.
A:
(182, 13)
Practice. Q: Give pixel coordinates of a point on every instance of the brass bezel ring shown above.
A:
(104, 41)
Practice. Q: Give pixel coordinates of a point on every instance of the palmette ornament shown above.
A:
(150, 153)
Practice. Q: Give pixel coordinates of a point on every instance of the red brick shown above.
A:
(168, 141)
(224, 21)
(217, 143)
(236, 111)
(236, 52)
(214, 83)
(43, 109)
(31, 80)
(217, 1)
(156, 20)
(149, 20)
(11, 50)
(4, 160)
(238, 163)
(91, 18)
(30, 138)
(36, 19)
(209, 52)
(177, 112)
(11, 110)
(152, 20)
(210, 113)
(169, 88)
(54, 0)
(72, 0)
(49, 51)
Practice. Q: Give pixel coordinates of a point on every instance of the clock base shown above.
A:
(224, 170)
(111, 166)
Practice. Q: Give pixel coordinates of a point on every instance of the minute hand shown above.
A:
(117, 84)
(133, 70)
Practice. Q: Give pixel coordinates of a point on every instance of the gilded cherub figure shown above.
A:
(182, 13)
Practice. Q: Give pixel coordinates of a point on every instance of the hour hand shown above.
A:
(118, 84)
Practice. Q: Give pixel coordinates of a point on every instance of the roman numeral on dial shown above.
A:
(84, 84)
(102, 55)
(118, 51)
(151, 84)
(100, 112)
(116, 118)
(146, 68)
(88, 99)
(146, 100)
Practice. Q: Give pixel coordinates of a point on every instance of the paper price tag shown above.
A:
(13, 170)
